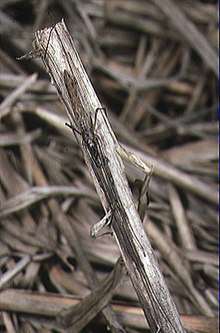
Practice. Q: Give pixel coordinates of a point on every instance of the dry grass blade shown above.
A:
(190, 32)
(51, 305)
(11, 99)
(35, 194)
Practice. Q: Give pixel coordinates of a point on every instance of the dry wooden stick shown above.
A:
(56, 48)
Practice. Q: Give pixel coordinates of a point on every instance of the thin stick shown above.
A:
(61, 57)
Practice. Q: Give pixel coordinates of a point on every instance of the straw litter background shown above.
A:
(154, 66)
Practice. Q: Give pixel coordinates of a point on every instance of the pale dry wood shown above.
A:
(58, 52)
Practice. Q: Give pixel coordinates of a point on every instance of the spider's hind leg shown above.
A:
(73, 128)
